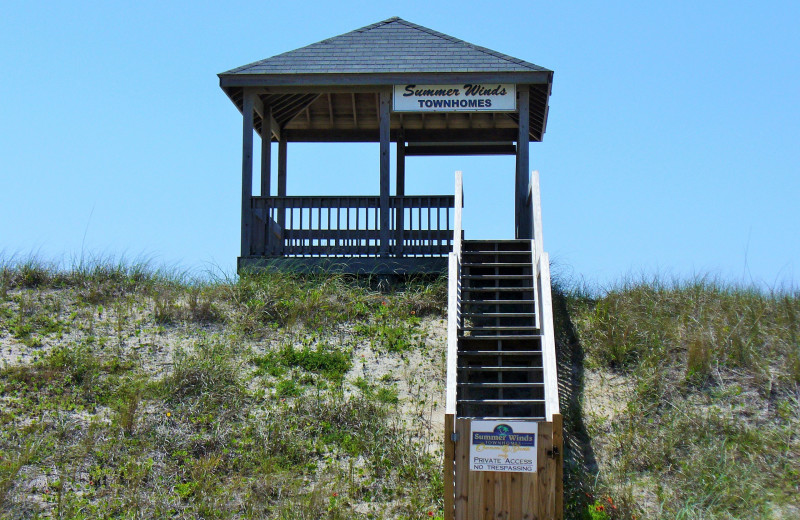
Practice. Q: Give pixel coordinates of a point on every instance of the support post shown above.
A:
(401, 164)
(385, 101)
(266, 152)
(400, 191)
(247, 170)
(449, 467)
(522, 217)
(282, 179)
(558, 443)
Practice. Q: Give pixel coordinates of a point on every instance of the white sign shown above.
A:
(467, 97)
(507, 446)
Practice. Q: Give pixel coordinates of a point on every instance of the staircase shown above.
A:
(501, 370)
(499, 356)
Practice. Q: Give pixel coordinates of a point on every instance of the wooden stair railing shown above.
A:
(501, 363)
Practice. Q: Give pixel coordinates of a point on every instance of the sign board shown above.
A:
(467, 97)
(507, 446)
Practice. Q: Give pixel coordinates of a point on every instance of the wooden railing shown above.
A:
(349, 226)
(454, 322)
(544, 300)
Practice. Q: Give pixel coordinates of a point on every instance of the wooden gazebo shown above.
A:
(392, 81)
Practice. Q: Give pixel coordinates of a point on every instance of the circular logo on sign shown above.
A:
(503, 429)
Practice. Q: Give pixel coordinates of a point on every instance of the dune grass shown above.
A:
(705, 381)
(137, 392)
(141, 391)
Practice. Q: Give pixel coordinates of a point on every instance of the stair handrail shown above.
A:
(534, 199)
(459, 205)
(541, 274)
(454, 299)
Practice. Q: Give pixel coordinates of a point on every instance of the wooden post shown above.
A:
(401, 164)
(400, 192)
(385, 101)
(282, 179)
(449, 467)
(558, 444)
(248, 103)
(522, 218)
(266, 152)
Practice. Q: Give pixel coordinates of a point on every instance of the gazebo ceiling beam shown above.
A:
(418, 135)
(423, 149)
(355, 110)
(274, 127)
(303, 106)
(287, 102)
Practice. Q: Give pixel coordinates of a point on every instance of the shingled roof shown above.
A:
(393, 45)
(329, 90)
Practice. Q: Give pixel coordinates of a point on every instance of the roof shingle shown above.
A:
(393, 45)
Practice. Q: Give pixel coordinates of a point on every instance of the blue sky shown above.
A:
(671, 144)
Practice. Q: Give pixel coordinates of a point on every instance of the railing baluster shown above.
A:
(327, 226)
(319, 225)
(439, 225)
(359, 224)
(419, 223)
(428, 247)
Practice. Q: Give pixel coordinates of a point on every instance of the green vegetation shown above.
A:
(127, 391)
(690, 401)
(331, 362)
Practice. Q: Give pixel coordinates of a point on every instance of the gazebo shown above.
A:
(393, 81)
(431, 94)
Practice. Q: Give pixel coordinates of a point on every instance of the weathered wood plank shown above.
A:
(385, 114)
(387, 78)
(549, 347)
(282, 149)
(247, 170)
(460, 149)
(546, 472)
(462, 497)
(354, 265)
(459, 205)
(475, 490)
(400, 191)
(416, 135)
(558, 443)
(268, 121)
(522, 219)
(453, 279)
(449, 466)
(266, 158)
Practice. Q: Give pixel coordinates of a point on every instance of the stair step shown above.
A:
(496, 289)
(498, 302)
(490, 368)
(499, 314)
(501, 401)
(503, 336)
(496, 277)
(499, 352)
(496, 264)
(503, 385)
(485, 252)
(502, 327)
(504, 418)
(498, 241)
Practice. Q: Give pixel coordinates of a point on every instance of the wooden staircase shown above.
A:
(499, 356)
(501, 371)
